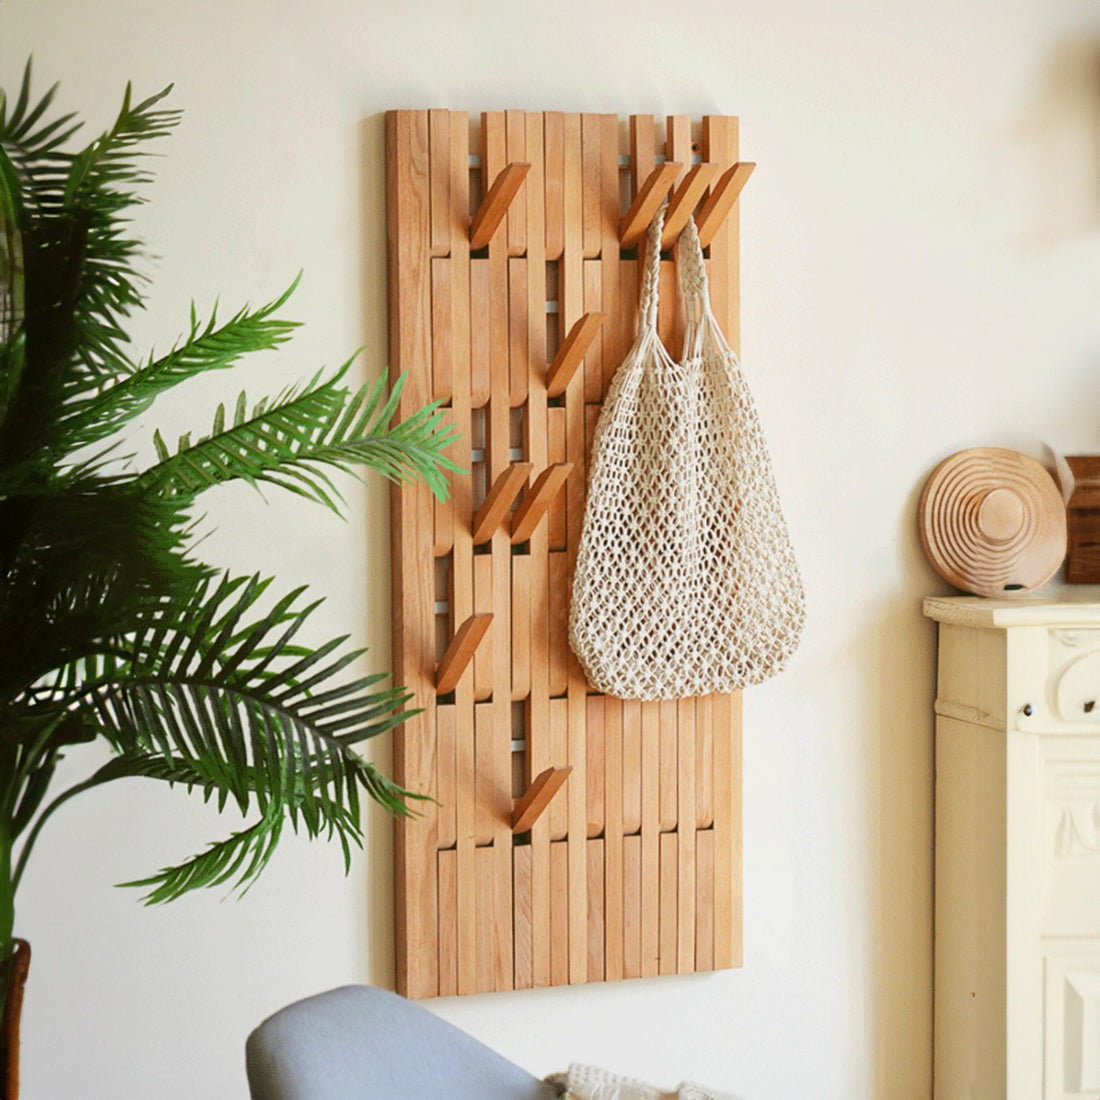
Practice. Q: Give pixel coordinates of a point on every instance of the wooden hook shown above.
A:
(537, 797)
(459, 653)
(538, 499)
(572, 351)
(650, 196)
(684, 200)
(499, 501)
(495, 204)
(720, 201)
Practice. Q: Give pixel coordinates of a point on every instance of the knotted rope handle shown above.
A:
(647, 313)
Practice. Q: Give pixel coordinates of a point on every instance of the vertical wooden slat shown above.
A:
(479, 333)
(685, 716)
(483, 603)
(610, 334)
(593, 303)
(704, 899)
(448, 928)
(643, 150)
(443, 510)
(632, 766)
(720, 142)
(651, 824)
(521, 626)
(445, 777)
(596, 918)
(704, 761)
(554, 175)
(668, 784)
(613, 835)
(516, 127)
(521, 890)
(669, 945)
(556, 450)
(538, 756)
(486, 895)
(487, 795)
(558, 621)
(559, 913)
(558, 810)
(596, 752)
(591, 166)
(462, 562)
(439, 144)
(632, 906)
(517, 330)
(727, 830)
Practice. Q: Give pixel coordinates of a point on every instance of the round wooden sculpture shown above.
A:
(992, 522)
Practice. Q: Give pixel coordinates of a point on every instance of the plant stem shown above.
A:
(7, 908)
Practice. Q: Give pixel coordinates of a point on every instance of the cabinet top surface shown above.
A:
(1059, 606)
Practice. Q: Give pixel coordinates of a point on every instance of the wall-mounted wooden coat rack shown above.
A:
(575, 837)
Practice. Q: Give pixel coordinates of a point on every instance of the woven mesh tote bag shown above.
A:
(686, 582)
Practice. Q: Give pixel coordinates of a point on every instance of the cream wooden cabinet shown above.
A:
(1017, 910)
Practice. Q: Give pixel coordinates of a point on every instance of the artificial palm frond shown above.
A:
(291, 442)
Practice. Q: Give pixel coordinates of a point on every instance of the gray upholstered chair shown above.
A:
(361, 1043)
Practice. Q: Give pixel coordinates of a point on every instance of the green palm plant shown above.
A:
(110, 627)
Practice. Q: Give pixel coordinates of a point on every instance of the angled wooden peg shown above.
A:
(460, 652)
(684, 200)
(537, 797)
(650, 196)
(495, 204)
(571, 353)
(538, 499)
(720, 201)
(499, 501)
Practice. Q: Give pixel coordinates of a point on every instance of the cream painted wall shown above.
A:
(921, 263)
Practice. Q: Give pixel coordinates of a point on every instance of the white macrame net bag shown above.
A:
(686, 582)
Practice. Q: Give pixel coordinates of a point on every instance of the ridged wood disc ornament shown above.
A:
(992, 522)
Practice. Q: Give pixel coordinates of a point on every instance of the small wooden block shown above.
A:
(457, 657)
(498, 502)
(684, 200)
(572, 352)
(649, 198)
(495, 204)
(535, 503)
(537, 797)
(720, 201)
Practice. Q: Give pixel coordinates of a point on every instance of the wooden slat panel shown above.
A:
(594, 850)
(486, 793)
(486, 941)
(558, 616)
(442, 387)
(685, 715)
(408, 246)
(555, 517)
(479, 333)
(448, 929)
(521, 887)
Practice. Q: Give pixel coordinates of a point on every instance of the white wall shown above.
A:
(921, 262)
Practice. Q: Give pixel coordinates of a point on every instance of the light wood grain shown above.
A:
(684, 199)
(594, 850)
(597, 755)
(554, 210)
(642, 210)
(670, 885)
(632, 906)
(463, 645)
(613, 836)
(685, 717)
(521, 890)
(723, 195)
(572, 352)
(536, 501)
(448, 926)
(651, 824)
(516, 143)
(499, 500)
(521, 627)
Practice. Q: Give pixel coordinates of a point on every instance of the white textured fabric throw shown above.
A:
(592, 1083)
(686, 582)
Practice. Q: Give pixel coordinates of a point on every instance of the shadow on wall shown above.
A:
(1060, 138)
(899, 651)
